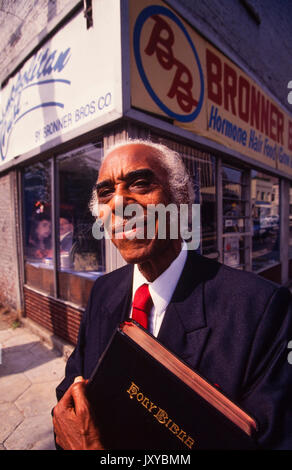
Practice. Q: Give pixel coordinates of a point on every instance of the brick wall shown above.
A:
(9, 286)
(61, 319)
(264, 48)
(21, 21)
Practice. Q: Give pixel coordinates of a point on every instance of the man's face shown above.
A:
(65, 226)
(133, 174)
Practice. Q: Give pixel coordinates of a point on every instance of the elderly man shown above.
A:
(232, 327)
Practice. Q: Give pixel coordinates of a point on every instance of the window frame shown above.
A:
(52, 161)
(23, 221)
(279, 260)
(246, 235)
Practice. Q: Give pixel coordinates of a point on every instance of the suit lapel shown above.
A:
(116, 306)
(184, 329)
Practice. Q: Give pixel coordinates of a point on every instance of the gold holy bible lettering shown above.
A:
(153, 400)
(160, 414)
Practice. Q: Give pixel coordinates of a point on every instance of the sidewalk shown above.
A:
(29, 374)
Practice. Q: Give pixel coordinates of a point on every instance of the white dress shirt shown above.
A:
(161, 290)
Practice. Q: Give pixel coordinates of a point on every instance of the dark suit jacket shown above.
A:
(233, 327)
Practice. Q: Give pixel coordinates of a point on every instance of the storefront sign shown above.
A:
(177, 74)
(69, 82)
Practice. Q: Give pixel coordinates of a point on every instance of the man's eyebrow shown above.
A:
(103, 184)
(131, 175)
(140, 173)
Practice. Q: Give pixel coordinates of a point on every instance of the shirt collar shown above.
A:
(162, 289)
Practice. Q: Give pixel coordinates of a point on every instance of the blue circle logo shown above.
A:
(167, 61)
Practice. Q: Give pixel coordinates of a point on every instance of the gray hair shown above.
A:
(179, 181)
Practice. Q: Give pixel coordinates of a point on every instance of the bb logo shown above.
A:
(181, 92)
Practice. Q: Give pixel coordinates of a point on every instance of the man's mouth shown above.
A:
(130, 228)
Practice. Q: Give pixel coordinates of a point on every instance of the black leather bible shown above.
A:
(144, 397)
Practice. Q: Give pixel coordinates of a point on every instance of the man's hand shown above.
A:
(73, 425)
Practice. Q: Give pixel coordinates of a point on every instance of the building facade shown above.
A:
(209, 79)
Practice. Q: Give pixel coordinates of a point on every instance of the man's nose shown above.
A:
(121, 199)
(118, 203)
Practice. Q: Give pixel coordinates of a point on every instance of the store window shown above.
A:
(80, 258)
(38, 251)
(290, 221)
(236, 219)
(266, 220)
(202, 168)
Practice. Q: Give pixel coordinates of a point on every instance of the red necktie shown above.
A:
(142, 305)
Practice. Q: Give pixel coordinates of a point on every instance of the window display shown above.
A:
(290, 221)
(235, 217)
(80, 254)
(202, 167)
(80, 257)
(38, 251)
(266, 220)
